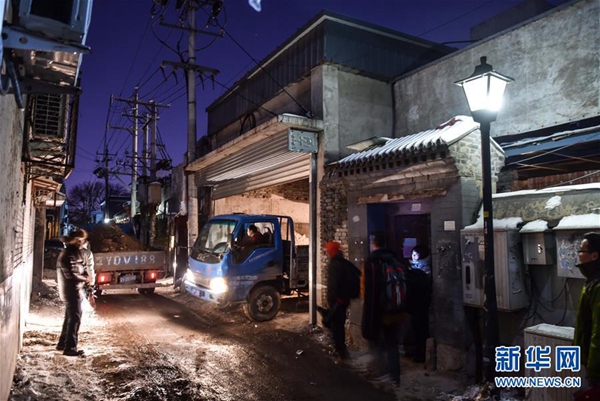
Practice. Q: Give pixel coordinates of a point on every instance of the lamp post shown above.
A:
(484, 90)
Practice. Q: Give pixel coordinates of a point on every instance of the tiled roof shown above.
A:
(444, 134)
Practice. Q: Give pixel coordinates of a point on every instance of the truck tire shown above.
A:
(263, 303)
(147, 291)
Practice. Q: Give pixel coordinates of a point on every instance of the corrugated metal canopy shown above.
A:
(294, 170)
(259, 158)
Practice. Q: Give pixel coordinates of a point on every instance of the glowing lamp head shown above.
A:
(484, 90)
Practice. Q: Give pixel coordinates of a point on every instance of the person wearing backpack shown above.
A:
(385, 316)
(343, 284)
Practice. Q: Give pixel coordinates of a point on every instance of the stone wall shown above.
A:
(333, 221)
(553, 60)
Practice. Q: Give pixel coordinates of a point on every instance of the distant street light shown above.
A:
(484, 90)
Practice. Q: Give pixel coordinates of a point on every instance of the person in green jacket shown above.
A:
(587, 327)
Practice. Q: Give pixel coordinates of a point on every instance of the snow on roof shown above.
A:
(550, 330)
(551, 190)
(578, 222)
(509, 223)
(444, 134)
(558, 135)
(553, 202)
(536, 226)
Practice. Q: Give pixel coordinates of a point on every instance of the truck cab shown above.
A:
(251, 259)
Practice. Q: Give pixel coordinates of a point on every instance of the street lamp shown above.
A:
(484, 90)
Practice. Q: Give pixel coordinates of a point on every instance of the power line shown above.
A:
(307, 112)
(135, 57)
(454, 19)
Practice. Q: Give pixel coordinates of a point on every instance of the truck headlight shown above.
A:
(218, 285)
(189, 276)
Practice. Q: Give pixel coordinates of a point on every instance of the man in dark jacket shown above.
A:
(70, 284)
(587, 326)
(336, 300)
(382, 329)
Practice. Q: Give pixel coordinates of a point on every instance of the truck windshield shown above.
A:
(213, 236)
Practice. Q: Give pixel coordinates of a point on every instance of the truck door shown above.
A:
(255, 255)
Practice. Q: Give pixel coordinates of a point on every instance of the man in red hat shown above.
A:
(342, 276)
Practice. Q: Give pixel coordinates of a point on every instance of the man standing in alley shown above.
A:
(70, 284)
(343, 283)
(587, 327)
(384, 310)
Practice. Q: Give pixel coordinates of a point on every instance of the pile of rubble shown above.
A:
(110, 238)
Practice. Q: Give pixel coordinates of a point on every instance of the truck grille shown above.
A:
(200, 280)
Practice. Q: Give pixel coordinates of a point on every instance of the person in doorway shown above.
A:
(337, 298)
(587, 326)
(383, 329)
(70, 284)
(420, 290)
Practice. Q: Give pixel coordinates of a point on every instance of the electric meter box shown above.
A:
(154, 193)
(539, 246)
(569, 234)
(508, 266)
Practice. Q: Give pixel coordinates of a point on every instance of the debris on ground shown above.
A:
(483, 392)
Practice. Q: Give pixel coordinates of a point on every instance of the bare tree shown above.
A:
(86, 197)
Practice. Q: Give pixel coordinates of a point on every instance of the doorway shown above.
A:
(408, 231)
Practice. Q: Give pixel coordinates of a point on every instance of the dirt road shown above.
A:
(168, 346)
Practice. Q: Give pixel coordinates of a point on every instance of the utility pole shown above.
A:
(135, 102)
(191, 68)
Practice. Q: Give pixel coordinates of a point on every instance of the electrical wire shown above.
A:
(576, 179)
(455, 19)
(135, 57)
(258, 64)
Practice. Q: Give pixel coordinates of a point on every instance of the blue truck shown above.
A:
(250, 259)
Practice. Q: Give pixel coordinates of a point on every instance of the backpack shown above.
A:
(394, 286)
(350, 287)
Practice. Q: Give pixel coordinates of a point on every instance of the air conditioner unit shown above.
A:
(550, 335)
(66, 20)
(510, 287)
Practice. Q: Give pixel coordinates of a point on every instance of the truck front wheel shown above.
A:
(263, 303)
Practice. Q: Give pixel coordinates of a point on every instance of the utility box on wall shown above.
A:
(510, 288)
(569, 233)
(538, 243)
(552, 336)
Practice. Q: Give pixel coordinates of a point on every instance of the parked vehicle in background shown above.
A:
(136, 270)
(52, 248)
(228, 264)
(122, 262)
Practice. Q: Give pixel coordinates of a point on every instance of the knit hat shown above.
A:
(76, 236)
(333, 248)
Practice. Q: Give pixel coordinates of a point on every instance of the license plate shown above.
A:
(127, 278)
(197, 293)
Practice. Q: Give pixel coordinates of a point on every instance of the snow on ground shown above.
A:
(45, 374)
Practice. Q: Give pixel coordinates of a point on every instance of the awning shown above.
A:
(562, 152)
(259, 158)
